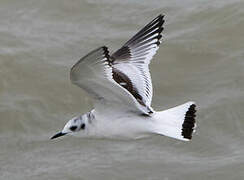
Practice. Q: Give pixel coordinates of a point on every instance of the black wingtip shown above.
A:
(105, 49)
(160, 16)
(189, 122)
(106, 52)
(153, 27)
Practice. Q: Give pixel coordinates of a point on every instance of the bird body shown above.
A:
(129, 126)
(120, 85)
(135, 126)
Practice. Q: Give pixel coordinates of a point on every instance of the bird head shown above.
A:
(72, 126)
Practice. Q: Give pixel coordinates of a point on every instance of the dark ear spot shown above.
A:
(83, 126)
(73, 128)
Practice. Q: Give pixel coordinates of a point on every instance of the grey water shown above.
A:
(201, 59)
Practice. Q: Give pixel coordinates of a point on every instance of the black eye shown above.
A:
(83, 126)
(73, 128)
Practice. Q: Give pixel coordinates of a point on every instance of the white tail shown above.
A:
(177, 122)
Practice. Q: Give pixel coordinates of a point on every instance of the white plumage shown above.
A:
(121, 87)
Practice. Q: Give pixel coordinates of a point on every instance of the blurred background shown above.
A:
(200, 59)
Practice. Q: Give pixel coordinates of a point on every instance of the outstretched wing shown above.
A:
(130, 63)
(93, 73)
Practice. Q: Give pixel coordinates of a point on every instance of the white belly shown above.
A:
(123, 127)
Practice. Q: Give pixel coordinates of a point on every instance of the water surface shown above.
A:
(200, 59)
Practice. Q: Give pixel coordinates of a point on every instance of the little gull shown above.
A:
(120, 85)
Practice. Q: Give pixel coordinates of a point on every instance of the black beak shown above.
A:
(58, 135)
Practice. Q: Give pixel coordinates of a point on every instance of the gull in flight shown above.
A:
(120, 85)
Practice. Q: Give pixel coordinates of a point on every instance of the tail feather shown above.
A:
(189, 122)
(178, 122)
